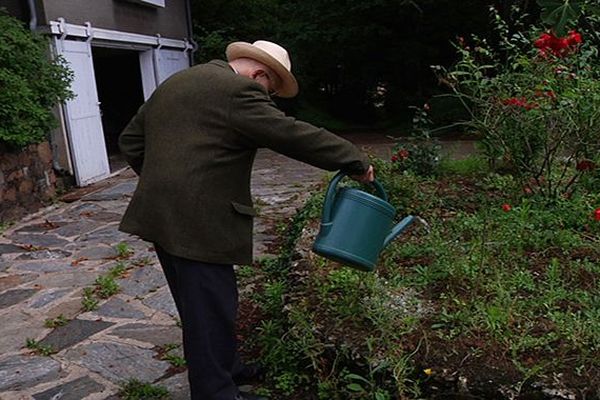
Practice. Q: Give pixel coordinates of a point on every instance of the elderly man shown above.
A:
(193, 144)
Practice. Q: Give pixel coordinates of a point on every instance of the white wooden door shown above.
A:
(84, 122)
(170, 61)
(147, 71)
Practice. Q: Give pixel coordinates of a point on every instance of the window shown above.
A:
(153, 3)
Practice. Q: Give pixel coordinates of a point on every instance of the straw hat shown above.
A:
(273, 56)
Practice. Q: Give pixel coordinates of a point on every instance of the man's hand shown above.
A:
(367, 177)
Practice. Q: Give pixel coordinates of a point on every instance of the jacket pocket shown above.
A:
(244, 209)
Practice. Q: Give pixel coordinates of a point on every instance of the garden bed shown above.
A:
(498, 301)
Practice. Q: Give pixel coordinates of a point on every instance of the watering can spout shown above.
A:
(398, 229)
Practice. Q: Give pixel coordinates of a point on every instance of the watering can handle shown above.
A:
(331, 192)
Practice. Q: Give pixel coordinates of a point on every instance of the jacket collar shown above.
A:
(222, 64)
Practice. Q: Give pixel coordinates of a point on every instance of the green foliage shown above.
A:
(56, 322)
(89, 302)
(168, 354)
(358, 62)
(134, 389)
(31, 84)
(420, 155)
(105, 286)
(469, 166)
(123, 250)
(38, 348)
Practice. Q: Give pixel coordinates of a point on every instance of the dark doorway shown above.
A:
(119, 85)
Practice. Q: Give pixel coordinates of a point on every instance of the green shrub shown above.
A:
(31, 84)
(534, 99)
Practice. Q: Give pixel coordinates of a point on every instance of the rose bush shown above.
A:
(534, 100)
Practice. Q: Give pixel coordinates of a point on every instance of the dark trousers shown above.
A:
(207, 301)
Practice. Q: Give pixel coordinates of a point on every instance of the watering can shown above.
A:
(356, 226)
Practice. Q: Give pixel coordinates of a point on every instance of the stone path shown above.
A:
(48, 259)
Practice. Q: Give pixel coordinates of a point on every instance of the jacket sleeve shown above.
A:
(132, 141)
(256, 117)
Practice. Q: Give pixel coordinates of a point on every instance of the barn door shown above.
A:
(82, 114)
(170, 61)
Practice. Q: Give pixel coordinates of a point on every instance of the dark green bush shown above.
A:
(30, 84)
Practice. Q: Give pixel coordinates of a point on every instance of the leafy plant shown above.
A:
(168, 354)
(38, 348)
(89, 302)
(135, 389)
(106, 286)
(420, 155)
(56, 322)
(536, 107)
(123, 250)
(31, 84)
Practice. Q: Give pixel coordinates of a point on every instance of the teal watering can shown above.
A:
(356, 225)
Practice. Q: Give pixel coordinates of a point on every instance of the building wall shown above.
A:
(16, 8)
(122, 15)
(27, 180)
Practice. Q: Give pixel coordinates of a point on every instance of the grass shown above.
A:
(60, 320)
(5, 225)
(509, 297)
(38, 348)
(167, 353)
(134, 389)
(123, 250)
(105, 286)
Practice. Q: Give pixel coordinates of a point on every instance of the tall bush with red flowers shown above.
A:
(534, 99)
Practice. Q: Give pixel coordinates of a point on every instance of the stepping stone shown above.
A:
(44, 266)
(105, 216)
(119, 362)
(162, 301)
(178, 386)
(76, 228)
(108, 235)
(11, 248)
(44, 255)
(74, 390)
(149, 333)
(73, 332)
(46, 240)
(10, 281)
(21, 372)
(47, 297)
(117, 192)
(12, 297)
(39, 228)
(142, 281)
(118, 308)
(97, 253)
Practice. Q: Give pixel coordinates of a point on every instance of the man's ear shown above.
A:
(256, 73)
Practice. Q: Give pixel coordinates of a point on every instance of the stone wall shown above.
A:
(27, 180)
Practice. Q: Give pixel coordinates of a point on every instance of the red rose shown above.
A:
(597, 214)
(548, 42)
(394, 158)
(574, 38)
(506, 207)
(403, 154)
(585, 165)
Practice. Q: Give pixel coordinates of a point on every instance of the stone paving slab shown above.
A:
(48, 258)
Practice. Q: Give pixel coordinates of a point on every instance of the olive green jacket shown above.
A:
(193, 144)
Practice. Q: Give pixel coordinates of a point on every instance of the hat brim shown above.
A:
(288, 86)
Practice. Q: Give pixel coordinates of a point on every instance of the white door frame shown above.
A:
(82, 115)
(152, 72)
